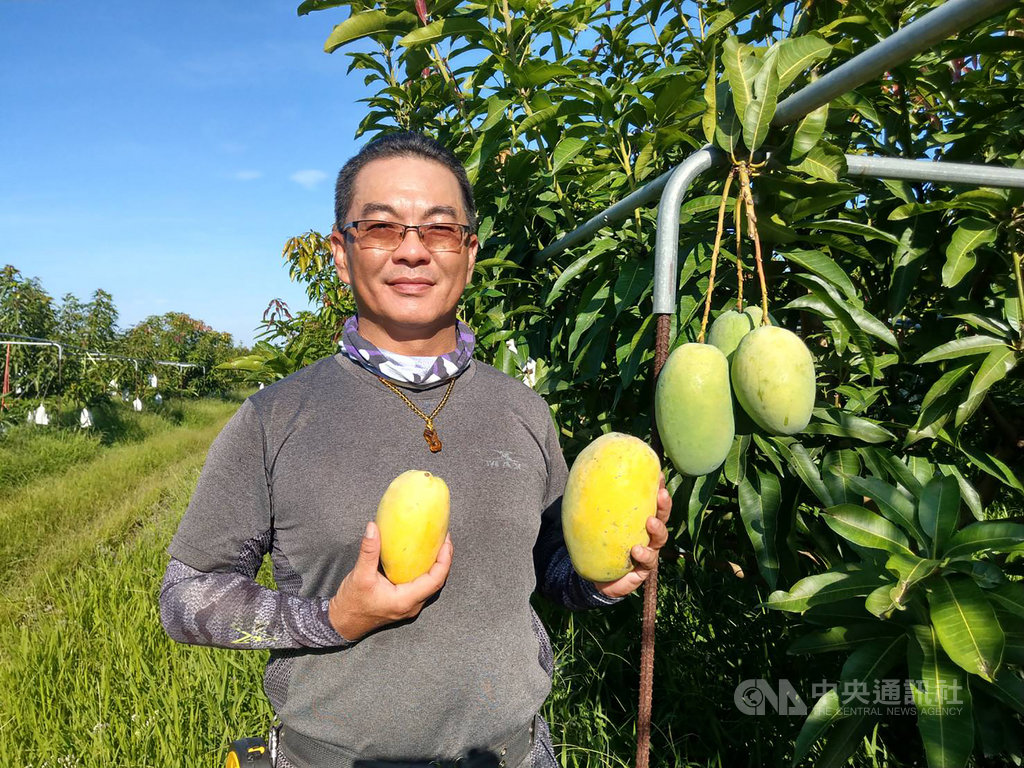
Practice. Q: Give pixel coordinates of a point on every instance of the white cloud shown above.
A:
(247, 175)
(308, 178)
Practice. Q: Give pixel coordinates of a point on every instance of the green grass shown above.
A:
(87, 674)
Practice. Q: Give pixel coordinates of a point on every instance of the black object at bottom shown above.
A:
(249, 753)
(512, 752)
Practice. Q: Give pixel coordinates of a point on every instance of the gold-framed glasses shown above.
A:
(437, 237)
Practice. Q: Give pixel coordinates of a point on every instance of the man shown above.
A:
(363, 672)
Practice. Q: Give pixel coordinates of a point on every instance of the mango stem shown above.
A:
(714, 254)
(748, 201)
(738, 224)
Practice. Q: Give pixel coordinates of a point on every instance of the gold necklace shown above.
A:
(429, 434)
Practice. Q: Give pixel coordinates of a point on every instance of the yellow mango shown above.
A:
(693, 408)
(773, 379)
(611, 491)
(413, 520)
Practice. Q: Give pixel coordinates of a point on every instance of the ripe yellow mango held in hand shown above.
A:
(413, 520)
(693, 408)
(611, 491)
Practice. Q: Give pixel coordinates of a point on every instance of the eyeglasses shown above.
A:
(389, 235)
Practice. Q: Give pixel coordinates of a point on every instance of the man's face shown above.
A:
(409, 288)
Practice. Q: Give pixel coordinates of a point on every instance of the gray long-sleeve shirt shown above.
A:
(298, 472)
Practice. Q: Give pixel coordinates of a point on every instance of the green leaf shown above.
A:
(761, 109)
(939, 510)
(844, 740)
(943, 699)
(798, 53)
(736, 461)
(960, 258)
(823, 161)
(990, 324)
(994, 535)
(1008, 688)
(741, 68)
(892, 503)
(701, 495)
(495, 112)
(809, 131)
(539, 117)
(970, 345)
(825, 712)
(840, 638)
(823, 588)
(837, 467)
(910, 570)
(318, 5)
(966, 625)
(936, 405)
(967, 491)
(1009, 597)
(864, 527)
(823, 266)
(881, 602)
(994, 367)
(565, 151)
(577, 267)
(728, 129)
(864, 321)
(710, 117)
(589, 309)
(537, 72)
(805, 468)
(855, 228)
(435, 31)
(634, 279)
(991, 465)
(759, 508)
(366, 24)
(849, 426)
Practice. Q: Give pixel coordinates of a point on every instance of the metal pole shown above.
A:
(611, 215)
(666, 244)
(948, 19)
(934, 171)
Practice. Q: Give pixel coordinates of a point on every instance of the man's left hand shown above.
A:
(644, 557)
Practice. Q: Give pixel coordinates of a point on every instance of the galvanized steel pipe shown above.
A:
(946, 20)
(934, 171)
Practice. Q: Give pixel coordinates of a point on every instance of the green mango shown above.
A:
(755, 313)
(729, 329)
(693, 408)
(773, 379)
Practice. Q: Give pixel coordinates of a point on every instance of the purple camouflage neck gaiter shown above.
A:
(411, 372)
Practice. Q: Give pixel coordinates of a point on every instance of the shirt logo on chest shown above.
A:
(502, 460)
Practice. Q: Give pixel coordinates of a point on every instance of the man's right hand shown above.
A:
(366, 599)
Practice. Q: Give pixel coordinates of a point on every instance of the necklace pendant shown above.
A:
(432, 440)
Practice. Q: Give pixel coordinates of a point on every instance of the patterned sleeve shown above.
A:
(556, 578)
(230, 610)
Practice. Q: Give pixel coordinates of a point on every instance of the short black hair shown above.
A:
(404, 144)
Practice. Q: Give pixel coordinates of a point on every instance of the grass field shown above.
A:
(89, 678)
(87, 674)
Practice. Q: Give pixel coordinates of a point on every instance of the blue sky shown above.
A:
(166, 151)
